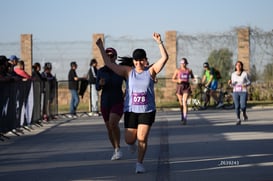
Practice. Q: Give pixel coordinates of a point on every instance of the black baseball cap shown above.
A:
(206, 64)
(139, 54)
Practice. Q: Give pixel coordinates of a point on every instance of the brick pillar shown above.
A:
(96, 53)
(171, 47)
(26, 52)
(243, 35)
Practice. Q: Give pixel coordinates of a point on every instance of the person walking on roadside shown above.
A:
(240, 81)
(139, 106)
(111, 102)
(73, 86)
(182, 78)
(91, 77)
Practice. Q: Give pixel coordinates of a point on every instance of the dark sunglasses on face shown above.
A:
(139, 60)
(111, 55)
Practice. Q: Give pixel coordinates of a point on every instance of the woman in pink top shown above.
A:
(182, 77)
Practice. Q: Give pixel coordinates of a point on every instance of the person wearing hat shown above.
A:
(139, 106)
(111, 102)
(73, 86)
(211, 83)
(13, 60)
(182, 78)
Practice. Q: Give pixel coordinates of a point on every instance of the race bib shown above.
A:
(184, 76)
(238, 88)
(139, 98)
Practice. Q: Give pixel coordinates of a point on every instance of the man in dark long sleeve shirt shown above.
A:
(73, 86)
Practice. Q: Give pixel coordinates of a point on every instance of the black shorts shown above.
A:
(132, 120)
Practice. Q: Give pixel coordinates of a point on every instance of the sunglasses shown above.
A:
(139, 59)
(111, 55)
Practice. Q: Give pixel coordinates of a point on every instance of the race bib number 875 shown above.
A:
(139, 98)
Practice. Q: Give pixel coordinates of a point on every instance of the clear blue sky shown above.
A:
(70, 20)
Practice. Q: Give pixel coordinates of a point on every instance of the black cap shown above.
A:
(139, 54)
(206, 64)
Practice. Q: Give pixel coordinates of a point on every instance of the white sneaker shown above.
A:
(75, 116)
(117, 155)
(220, 105)
(132, 148)
(140, 168)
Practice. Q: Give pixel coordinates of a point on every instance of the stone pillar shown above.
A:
(26, 52)
(171, 47)
(243, 35)
(169, 88)
(96, 53)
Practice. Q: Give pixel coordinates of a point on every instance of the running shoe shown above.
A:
(140, 168)
(185, 121)
(245, 117)
(238, 122)
(220, 105)
(117, 155)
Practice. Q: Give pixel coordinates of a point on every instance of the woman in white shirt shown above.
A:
(240, 81)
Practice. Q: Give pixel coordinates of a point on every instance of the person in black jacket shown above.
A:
(73, 86)
(92, 76)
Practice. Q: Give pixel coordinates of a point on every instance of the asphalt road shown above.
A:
(210, 147)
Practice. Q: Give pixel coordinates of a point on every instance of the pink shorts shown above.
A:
(117, 108)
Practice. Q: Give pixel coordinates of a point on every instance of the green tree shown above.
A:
(268, 72)
(254, 74)
(222, 60)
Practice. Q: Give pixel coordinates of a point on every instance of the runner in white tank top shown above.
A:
(140, 103)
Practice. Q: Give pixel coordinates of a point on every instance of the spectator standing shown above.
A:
(73, 86)
(240, 81)
(49, 90)
(92, 76)
(19, 69)
(139, 107)
(36, 68)
(47, 73)
(111, 101)
(182, 77)
(4, 76)
(13, 60)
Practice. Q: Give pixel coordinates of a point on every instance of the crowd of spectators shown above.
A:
(13, 69)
